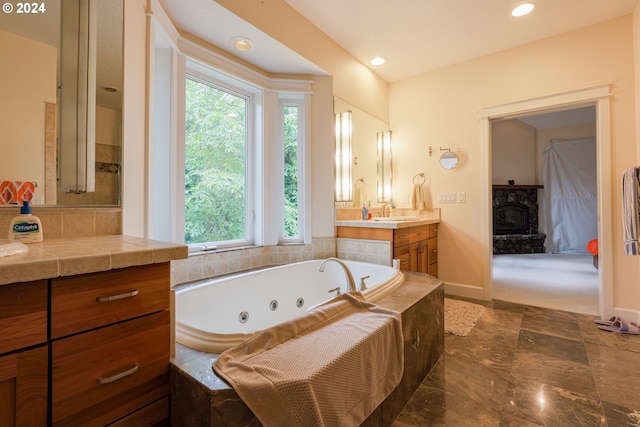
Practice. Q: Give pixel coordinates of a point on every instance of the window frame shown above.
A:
(211, 77)
(291, 100)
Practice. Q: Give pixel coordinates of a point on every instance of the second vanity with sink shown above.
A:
(414, 239)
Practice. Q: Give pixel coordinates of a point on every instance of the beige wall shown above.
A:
(513, 152)
(442, 108)
(28, 83)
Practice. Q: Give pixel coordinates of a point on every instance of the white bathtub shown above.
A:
(220, 313)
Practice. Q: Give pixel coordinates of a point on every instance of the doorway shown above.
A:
(597, 96)
(544, 206)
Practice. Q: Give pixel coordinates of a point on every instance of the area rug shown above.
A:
(460, 316)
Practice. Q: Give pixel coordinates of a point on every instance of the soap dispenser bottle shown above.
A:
(25, 228)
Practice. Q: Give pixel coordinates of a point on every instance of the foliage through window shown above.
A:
(291, 190)
(215, 164)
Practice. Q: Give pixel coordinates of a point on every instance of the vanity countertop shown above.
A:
(71, 256)
(386, 224)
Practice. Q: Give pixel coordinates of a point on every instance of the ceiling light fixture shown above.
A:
(242, 43)
(377, 61)
(523, 9)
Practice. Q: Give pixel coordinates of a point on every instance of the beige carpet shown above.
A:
(460, 316)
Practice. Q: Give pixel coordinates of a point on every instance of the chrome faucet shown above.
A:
(384, 207)
(351, 284)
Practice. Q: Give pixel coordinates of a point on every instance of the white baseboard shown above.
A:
(627, 314)
(460, 290)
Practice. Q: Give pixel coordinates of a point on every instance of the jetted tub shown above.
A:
(219, 313)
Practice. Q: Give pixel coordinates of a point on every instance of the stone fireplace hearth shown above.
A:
(515, 220)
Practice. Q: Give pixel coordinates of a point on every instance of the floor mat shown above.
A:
(460, 316)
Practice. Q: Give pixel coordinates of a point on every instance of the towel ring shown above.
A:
(420, 175)
(359, 181)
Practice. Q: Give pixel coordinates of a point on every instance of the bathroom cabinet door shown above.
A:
(23, 388)
(418, 257)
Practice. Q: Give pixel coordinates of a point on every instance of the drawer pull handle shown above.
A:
(116, 377)
(117, 297)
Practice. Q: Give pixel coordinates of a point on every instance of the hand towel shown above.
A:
(359, 194)
(417, 197)
(631, 211)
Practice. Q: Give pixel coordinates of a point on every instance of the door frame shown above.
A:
(595, 95)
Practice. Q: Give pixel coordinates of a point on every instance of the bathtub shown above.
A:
(217, 314)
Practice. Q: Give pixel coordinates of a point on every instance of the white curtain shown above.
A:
(570, 195)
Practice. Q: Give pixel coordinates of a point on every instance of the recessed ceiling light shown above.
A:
(523, 9)
(377, 61)
(242, 43)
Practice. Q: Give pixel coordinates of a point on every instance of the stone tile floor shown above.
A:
(528, 366)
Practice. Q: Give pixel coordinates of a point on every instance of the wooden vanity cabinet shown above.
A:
(416, 247)
(110, 343)
(24, 356)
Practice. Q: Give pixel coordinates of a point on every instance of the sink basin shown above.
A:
(396, 218)
(12, 247)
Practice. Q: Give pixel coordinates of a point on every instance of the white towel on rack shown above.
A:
(631, 211)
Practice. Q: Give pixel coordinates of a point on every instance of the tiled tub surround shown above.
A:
(68, 222)
(201, 398)
(372, 251)
(207, 265)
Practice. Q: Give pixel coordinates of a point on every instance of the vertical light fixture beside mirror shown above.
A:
(76, 167)
(385, 172)
(343, 156)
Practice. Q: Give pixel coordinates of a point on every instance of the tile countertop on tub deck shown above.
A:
(386, 224)
(71, 256)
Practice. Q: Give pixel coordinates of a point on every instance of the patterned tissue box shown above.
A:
(15, 192)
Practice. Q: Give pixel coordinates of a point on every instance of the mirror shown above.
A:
(30, 111)
(449, 160)
(363, 176)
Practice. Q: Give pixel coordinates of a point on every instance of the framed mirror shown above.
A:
(30, 112)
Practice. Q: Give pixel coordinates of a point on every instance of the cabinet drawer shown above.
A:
(23, 315)
(404, 236)
(433, 250)
(433, 230)
(154, 415)
(433, 270)
(89, 301)
(105, 374)
(402, 253)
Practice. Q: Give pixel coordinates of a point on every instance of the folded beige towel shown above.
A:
(359, 195)
(330, 367)
(417, 197)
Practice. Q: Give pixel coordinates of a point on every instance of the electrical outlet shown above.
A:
(462, 197)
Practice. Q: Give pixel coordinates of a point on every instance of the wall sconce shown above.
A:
(343, 156)
(385, 172)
